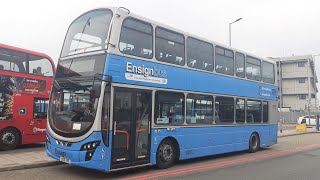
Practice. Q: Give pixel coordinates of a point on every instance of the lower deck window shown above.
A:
(254, 111)
(240, 111)
(169, 108)
(199, 109)
(40, 108)
(225, 109)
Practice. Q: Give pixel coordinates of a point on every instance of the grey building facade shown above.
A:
(297, 82)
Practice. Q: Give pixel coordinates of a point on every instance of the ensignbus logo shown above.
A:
(145, 74)
(145, 71)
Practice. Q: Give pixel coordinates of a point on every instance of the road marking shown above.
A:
(205, 167)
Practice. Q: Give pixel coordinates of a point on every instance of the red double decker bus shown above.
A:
(25, 84)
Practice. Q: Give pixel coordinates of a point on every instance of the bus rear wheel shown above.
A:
(166, 154)
(9, 139)
(254, 143)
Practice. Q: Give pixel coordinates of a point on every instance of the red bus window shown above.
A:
(40, 66)
(40, 108)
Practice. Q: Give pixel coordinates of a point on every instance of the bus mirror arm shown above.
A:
(105, 77)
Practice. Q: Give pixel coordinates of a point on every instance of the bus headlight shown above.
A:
(89, 154)
(90, 146)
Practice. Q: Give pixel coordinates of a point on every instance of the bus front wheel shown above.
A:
(254, 143)
(9, 139)
(166, 154)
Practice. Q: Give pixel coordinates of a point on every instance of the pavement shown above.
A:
(25, 157)
(34, 156)
(293, 132)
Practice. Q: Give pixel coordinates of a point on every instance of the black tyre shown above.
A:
(9, 139)
(166, 154)
(254, 143)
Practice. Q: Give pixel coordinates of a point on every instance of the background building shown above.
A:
(297, 82)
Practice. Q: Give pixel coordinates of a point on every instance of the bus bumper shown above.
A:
(77, 158)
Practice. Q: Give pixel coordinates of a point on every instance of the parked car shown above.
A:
(306, 120)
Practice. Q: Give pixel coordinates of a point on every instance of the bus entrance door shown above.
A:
(131, 135)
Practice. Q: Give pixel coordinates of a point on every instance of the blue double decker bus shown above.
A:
(132, 92)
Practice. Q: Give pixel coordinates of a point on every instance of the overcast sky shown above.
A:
(269, 28)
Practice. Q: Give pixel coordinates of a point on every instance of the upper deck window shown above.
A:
(253, 68)
(136, 38)
(169, 46)
(40, 66)
(13, 61)
(224, 61)
(200, 54)
(240, 61)
(87, 33)
(267, 72)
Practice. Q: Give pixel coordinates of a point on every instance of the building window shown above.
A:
(240, 110)
(240, 65)
(302, 96)
(253, 68)
(225, 110)
(136, 38)
(302, 80)
(169, 108)
(40, 108)
(267, 72)
(301, 64)
(224, 61)
(199, 109)
(199, 54)
(169, 46)
(254, 111)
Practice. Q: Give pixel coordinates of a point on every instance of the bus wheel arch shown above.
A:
(254, 142)
(12, 137)
(168, 152)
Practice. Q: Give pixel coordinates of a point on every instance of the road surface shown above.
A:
(295, 157)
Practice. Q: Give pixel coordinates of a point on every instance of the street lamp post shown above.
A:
(315, 88)
(230, 29)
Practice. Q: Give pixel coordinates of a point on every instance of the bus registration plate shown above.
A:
(65, 160)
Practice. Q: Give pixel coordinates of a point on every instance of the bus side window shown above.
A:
(136, 38)
(169, 108)
(224, 61)
(199, 54)
(225, 109)
(199, 109)
(253, 68)
(169, 46)
(12, 60)
(40, 108)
